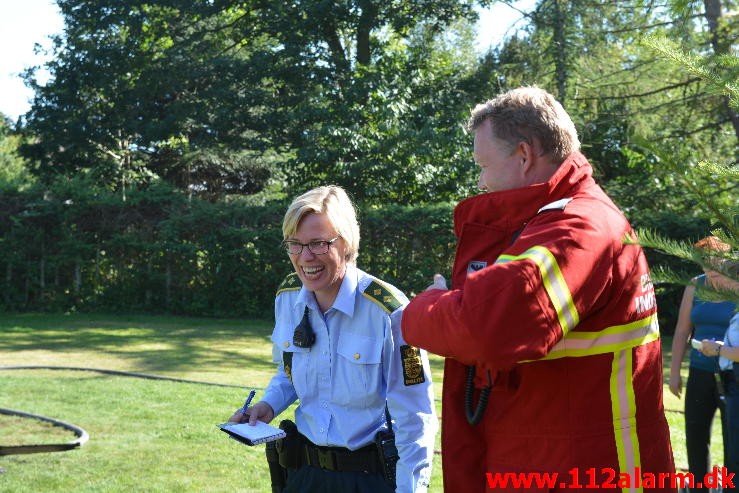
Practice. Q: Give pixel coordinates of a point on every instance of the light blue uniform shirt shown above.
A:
(731, 339)
(354, 367)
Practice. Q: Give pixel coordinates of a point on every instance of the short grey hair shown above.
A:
(527, 114)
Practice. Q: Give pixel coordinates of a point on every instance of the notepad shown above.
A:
(252, 435)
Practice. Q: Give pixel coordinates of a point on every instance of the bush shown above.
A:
(157, 252)
(80, 248)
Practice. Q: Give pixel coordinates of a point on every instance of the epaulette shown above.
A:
(290, 283)
(381, 295)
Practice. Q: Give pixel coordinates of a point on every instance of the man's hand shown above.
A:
(439, 283)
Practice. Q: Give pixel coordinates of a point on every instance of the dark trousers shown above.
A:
(310, 479)
(701, 401)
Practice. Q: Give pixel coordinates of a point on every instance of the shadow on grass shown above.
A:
(150, 343)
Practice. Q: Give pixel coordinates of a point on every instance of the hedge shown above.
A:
(158, 252)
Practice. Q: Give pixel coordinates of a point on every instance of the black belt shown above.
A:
(365, 459)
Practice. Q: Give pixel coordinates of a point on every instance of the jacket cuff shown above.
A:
(421, 324)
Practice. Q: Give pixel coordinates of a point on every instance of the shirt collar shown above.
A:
(347, 295)
(345, 298)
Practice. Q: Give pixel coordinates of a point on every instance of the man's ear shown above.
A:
(527, 154)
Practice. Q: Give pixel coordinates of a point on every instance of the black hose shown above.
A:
(81, 434)
(119, 373)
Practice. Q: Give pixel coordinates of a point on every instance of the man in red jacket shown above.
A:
(553, 376)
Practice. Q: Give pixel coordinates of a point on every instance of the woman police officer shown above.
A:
(340, 352)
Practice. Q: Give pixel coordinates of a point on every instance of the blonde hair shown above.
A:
(527, 114)
(332, 201)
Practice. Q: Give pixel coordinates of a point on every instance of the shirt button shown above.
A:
(286, 344)
(356, 355)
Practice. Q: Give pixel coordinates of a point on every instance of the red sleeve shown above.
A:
(493, 319)
(521, 306)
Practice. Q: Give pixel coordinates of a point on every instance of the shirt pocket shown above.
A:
(357, 379)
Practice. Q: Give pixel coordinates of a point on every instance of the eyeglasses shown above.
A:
(314, 247)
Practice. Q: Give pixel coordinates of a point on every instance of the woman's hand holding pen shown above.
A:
(261, 411)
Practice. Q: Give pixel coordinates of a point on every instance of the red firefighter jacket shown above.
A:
(551, 306)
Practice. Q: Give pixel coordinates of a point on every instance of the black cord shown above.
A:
(474, 417)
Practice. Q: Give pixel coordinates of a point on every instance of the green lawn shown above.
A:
(149, 435)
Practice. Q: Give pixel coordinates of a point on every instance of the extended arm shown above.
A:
(711, 348)
(518, 308)
(680, 340)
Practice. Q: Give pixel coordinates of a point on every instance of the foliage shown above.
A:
(365, 97)
(700, 179)
(14, 173)
(129, 81)
(615, 88)
(78, 247)
(231, 97)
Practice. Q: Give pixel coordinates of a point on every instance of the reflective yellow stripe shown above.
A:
(554, 283)
(609, 340)
(623, 407)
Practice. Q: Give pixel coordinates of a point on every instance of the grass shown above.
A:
(145, 435)
(152, 435)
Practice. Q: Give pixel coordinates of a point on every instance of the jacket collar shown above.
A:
(509, 209)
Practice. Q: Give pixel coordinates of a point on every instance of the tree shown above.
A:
(362, 91)
(720, 75)
(357, 92)
(126, 88)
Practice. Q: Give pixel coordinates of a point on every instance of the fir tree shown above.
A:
(712, 185)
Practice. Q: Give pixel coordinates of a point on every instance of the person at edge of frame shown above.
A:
(356, 370)
(727, 355)
(701, 319)
(550, 333)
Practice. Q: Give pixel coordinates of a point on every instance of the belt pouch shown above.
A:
(290, 448)
(277, 473)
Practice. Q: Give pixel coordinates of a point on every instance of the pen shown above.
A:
(248, 401)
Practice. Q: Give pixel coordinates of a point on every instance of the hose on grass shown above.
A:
(81, 434)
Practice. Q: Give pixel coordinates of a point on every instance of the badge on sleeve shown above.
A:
(412, 367)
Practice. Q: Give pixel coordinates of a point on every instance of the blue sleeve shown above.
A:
(410, 400)
(280, 392)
